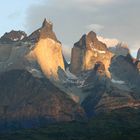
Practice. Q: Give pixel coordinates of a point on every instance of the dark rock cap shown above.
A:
(91, 38)
(13, 36)
(46, 30)
(47, 24)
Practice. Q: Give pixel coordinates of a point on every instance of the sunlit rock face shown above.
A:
(48, 52)
(87, 51)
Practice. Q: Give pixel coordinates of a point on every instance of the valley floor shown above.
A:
(117, 125)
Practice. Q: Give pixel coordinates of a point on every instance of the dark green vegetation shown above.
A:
(117, 125)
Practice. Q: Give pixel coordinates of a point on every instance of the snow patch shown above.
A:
(32, 46)
(91, 45)
(35, 72)
(117, 81)
(21, 37)
(70, 75)
(15, 39)
(80, 83)
(109, 42)
(99, 51)
(50, 22)
(9, 64)
(17, 47)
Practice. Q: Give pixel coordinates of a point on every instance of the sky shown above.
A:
(117, 19)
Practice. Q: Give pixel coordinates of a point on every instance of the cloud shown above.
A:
(84, 2)
(96, 2)
(135, 47)
(66, 51)
(108, 41)
(95, 27)
(72, 19)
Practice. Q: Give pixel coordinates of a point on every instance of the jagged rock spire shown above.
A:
(47, 24)
(91, 35)
(47, 31)
(48, 52)
(87, 51)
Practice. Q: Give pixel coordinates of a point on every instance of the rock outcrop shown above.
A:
(120, 49)
(26, 101)
(48, 52)
(35, 36)
(38, 86)
(87, 51)
(123, 68)
(13, 36)
(12, 56)
(120, 91)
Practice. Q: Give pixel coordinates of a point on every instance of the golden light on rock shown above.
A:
(48, 54)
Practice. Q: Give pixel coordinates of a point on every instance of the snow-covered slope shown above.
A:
(108, 41)
(115, 46)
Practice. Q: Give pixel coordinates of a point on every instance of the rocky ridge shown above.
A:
(52, 60)
(13, 36)
(43, 88)
(87, 51)
(30, 102)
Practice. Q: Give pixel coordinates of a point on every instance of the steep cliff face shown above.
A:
(105, 94)
(123, 68)
(12, 56)
(98, 78)
(26, 101)
(87, 52)
(48, 52)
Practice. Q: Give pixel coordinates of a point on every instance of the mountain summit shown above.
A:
(87, 51)
(37, 88)
(13, 36)
(48, 52)
(47, 30)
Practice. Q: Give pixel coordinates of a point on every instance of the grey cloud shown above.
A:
(66, 51)
(95, 27)
(119, 18)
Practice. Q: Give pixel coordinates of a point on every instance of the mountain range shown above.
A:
(38, 87)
